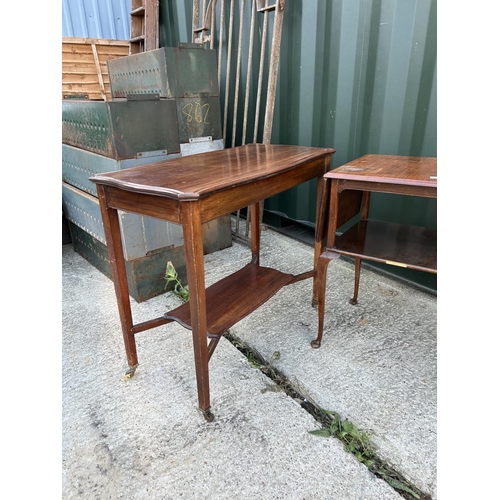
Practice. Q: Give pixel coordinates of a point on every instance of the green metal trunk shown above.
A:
(119, 129)
(185, 71)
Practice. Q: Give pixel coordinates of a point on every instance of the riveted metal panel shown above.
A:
(145, 275)
(79, 164)
(140, 234)
(185, 71)
(83, 210)
(119, 129)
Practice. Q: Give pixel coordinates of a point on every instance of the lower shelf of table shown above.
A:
(234, 297)
(390, 243)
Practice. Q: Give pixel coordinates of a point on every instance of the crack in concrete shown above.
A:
(392, 477)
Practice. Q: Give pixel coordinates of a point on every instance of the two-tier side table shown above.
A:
(190, 191)
(346, 194)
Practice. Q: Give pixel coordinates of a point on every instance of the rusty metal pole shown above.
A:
(273, 72)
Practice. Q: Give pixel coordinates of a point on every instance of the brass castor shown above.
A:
(130, 372)
(208, 415)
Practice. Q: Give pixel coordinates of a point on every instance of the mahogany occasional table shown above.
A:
(190, 191)
(347, 190)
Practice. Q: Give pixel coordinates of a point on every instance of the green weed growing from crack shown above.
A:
(358, 443)
(355, 441)
(179, 289)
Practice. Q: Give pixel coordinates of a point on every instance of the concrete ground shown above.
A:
(143, 438)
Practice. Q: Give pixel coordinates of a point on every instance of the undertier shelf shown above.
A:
(234, 297)
(391, 243)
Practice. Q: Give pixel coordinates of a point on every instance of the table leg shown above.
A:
(320, 278)
(320, 232)
(357, 271)
(327, 222)
(365, 210)
(255, 230)
(119, 273)
(193, 249)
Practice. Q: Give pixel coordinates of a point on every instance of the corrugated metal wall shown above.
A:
(96, 19)
(355, 75)
(358, 76)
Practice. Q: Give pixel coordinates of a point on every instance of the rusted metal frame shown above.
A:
(212, 24)
(272, 77)
(207, 22)
(261, 74)
(221, 36)
(204, 26)
(247, 98)
(195, 20)
(264, 7)
(228, 68)
(273, 71)
(249, 72)
(257, 115)
(238, 72)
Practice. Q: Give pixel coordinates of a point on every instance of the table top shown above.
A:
(197, 176)
(393, 169)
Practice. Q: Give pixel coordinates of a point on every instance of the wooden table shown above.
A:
(346, 191)
(190, 191)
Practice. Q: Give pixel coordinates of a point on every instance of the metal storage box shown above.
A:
(198, 117)
(165, 104)
(185, 71)
(140, 234)
(145, 275)
(148, 243)
(121, 129)
(79, 164)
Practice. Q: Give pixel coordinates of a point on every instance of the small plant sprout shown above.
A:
(171, 277)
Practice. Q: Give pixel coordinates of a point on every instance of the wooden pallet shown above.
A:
(84, 68)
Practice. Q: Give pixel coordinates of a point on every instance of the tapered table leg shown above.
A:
(193, 249)
(255, 220)
(115, 251)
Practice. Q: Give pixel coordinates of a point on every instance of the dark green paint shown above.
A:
(358, 76)
(184, 71)
(117, 129)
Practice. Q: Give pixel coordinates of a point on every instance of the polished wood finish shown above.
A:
(224, 304)
(193, 190)
(346, 193)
